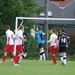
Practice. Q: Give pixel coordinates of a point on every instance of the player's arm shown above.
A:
(8, 37)
(57, 43)
(68, 41)
(36, 32)
(33, 31)
(50, 40)
(22, 38)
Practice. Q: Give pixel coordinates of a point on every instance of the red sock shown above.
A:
(4, 58)
(17, 59)
(14, 58)
(54, 59)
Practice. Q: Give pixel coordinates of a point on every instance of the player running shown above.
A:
(19, 46)
(24, 53)
(53, 46)
(41, 41)
(9, 44)
(63, 43)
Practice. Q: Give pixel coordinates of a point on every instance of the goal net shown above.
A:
(57, 20)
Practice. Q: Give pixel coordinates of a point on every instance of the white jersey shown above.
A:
(10, 34)
(53, 38)
(18, 35)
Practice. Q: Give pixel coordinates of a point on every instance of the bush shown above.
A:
(32, 49)
(2, 44)
(72, 44)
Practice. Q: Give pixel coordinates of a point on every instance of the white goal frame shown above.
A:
(37, 18)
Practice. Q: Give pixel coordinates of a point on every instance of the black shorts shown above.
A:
(63, 49)
(40, 45)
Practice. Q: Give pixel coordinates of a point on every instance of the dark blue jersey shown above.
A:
(40, 37)
(25, 37)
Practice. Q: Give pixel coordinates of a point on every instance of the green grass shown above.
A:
(37, 67)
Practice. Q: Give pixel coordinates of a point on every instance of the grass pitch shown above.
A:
(37, 67)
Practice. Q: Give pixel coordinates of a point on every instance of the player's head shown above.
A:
(8, 27)
(21, 27)
(38, 28)
(62, 29)
(53, 31)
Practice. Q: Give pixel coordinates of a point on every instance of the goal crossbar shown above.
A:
(36, 18)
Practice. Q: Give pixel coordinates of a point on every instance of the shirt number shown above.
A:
(63, 40)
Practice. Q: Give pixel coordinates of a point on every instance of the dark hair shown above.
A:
(8, 27)
(39, 27)
(62, 29)
(53, 30)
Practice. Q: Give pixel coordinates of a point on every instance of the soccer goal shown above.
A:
(37, 18)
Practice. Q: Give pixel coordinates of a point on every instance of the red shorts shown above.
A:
(19, 48)
(52, 50)
(9, 48)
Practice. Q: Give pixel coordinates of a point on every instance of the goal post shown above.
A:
(37, 18)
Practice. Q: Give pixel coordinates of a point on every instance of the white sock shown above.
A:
(64, 60)
(20, 59)
(40, 55)
(61, 58)
(43, 54)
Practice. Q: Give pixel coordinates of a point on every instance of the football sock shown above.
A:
(64, 59)
(61, 58)
(54, 59)
(43, 54)
(4, 58)
(14, 57)
(17, 59)
(20, 59)
(40, 55)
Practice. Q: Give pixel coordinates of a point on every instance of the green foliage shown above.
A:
(10, 9)
(32, 48)
(2, 44)
(72, 44)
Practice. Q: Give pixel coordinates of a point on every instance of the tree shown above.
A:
(10, 9)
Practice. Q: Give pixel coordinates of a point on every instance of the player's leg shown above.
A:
(42, 52)
(61, 54)
(65, 56)
(14, 55)
(14, 58)
(20, 50)
(6, 49)
(53, 54)
(4, 57)
(24, 54)
(61, 57)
